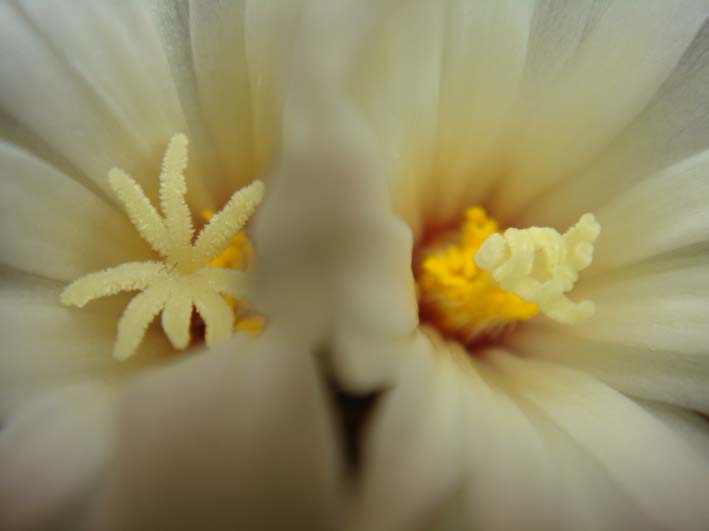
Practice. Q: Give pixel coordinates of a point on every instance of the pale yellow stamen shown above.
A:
(186, 277)
(540, 265)
(476, 281)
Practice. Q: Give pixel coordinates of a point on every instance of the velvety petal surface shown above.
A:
(507, 443)
(254, 449)
(52, 454)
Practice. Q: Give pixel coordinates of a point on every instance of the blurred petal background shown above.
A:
(371, 122)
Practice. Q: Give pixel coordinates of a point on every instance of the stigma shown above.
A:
(194, 272)
(476, 281)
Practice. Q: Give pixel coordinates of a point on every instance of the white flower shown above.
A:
(538, 112)
(87, 87)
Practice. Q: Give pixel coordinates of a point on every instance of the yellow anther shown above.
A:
(457, 296)
(540, 265)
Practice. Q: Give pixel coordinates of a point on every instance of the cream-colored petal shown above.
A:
(40, 211)
(270, 36)
(176, 317)
(173, 187)
(436, 101)
(659, 374)
(648, 336)
(45, 345)
(475, 98)
(692, 426)
(657, 311)
(140, 211)
(400, 448)
(113, 101)
(217, 31)
(206, 175)
(66, 438)
(396, 83)
(363, 285)
(129, 276)
(588, 75)
(227, 454)
(579, 493)
(671, 128)
(134, 322)
(216, 313)
(508, 452)
(220, 230)
(446, 435)
(501, 443)
(622, 437)
(660, 214)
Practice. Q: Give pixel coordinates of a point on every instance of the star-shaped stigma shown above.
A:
(183, 278)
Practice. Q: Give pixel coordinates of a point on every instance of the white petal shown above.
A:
(671, 128)
(45, 344)
(502, 443)
(376, 309)
(362, 286)
(236, 439)
(475, 98)
(668, 318)
(690, 425)
(589, 74)
(397, 86)
(659, 374)
(624, 439)
(413, 453)
(91, 83)
(41, 211)
(447, 434)
(52, 452)
(660, 214)
(217, 31)
(270, 34)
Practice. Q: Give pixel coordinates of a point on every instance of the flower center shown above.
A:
(475, 282)
(195, 272)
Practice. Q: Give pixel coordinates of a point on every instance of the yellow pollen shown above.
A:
(458, 297)
(194, 272)
(477, 281)
(239, 254)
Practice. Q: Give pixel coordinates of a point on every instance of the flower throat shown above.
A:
(474, 282)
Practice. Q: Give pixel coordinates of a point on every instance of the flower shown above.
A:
(86, 89)
(538, 113)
